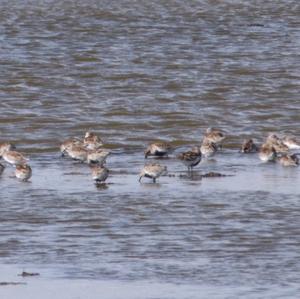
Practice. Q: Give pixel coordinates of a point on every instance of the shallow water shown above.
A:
(138, 71)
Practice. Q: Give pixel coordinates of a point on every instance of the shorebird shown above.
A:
(277, 143)
(78, 153)
(152, 171)
(67, 144)
(158, 149)
(6, 146)
(214, 135)
(279, 146)
(208, 148)
(97, 156)
(91, 141)
(267, 153)
(191, 158)
(249, 147)
(99, 174)
(289, 160)
(272, 138)
(23, 172)
(2, 167)
(14, 158)
(291, 142)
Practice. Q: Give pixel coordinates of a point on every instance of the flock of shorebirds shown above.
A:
(90, 150)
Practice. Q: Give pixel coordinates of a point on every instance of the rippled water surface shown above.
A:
(134, 72)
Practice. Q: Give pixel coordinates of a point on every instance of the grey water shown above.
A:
(135, 72)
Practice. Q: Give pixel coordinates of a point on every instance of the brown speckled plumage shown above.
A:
(152, 171)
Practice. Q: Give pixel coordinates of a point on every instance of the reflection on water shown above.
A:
(136, 72)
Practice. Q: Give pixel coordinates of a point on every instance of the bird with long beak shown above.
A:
(158, 149)
(208, 148)
(14, 158)
(214, 135)
(289, 160)
(291, 142)
(92, 141)
(78, 153)
(191, 158)
(99, 174)
(267, 153)
(69, 143)
(277, 143)
(97, 156)
(152, 171)
(23, 172)
(249, 146)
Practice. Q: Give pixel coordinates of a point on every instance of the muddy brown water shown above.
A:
(137, 71)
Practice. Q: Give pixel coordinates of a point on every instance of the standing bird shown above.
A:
(99, 174)
(97, 156)
(280, 147)
(289, 160)
(249, 147)
(208, 148)
(291, 142)
(158, 149)
(67, 144)
(274, 141)
(272, 138)
(78, 153)
(191, 158)
(267, 153)
(214, 135)
(152, 171)
(14, 158)
(91, 141)
(23, 172)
